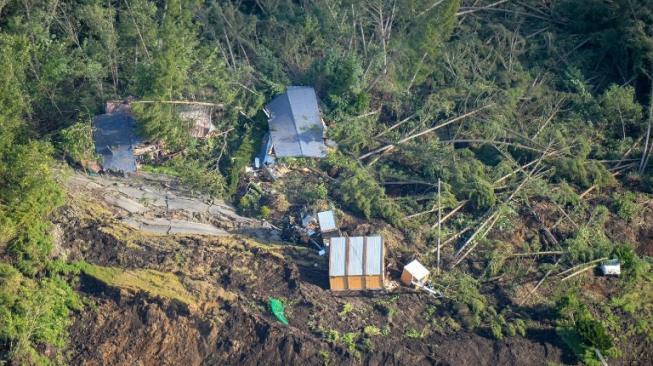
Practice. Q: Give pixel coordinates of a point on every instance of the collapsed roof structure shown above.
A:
(115, 136)
(296, 127)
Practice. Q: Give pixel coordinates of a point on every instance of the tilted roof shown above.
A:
(416, 269)
(356, 256)
(327, 221)
(114, 135)
(295, 124)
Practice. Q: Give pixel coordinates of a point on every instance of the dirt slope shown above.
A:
(227, 323)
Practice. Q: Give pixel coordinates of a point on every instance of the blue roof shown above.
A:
(115, 135)
(295, 124)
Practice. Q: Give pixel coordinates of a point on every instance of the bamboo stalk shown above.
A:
(451, 213)
(580, 265)
(190, 102)
(550, 252)
(541, 281)
(428, 130)
(577, 273)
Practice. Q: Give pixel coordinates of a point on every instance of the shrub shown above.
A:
(371, 330)
(583, 173)
(349, 339)
(76, 141)
(625, 205)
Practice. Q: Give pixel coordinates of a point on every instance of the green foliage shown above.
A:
(371, 331)
(34, 312)
(161, 122)
(581, 331)
(77, 142)
(346, 309)
(582, 172)
(413, 333)
(590, 241)
(349, 340)
(626, 205)
(360, 191)
(194, 174)
(620, 110)
(339, 79)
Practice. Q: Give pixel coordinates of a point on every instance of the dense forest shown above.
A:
(510, 104)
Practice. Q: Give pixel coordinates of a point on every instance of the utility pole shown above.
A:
(439, 221)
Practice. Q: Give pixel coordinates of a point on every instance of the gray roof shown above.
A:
(295, 124)
(356, 256)
(114, 135)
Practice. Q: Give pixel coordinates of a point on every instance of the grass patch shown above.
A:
(155, 283)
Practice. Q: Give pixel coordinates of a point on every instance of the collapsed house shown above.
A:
(115, 136)
(295, 125)
(356, 263)
(199, 117)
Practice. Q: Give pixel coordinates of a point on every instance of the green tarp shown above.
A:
(276, 307)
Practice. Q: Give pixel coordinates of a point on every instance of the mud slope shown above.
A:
(223, 319)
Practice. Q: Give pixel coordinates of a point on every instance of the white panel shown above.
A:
(355, 256)
(374, 263)
(327, 221)
(337, 257)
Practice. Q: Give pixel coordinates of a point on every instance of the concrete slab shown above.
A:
(186, 227)
(126, 204)
(185, 204)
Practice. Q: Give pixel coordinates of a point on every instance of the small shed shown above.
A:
(295, 124)
(414, 272)
(611, 268)
(356, 263)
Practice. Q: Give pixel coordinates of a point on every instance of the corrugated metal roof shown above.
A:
(327, 221)
(416, 269)
(374, 263)
(337, 257)
(114, 135)
(355, 260)
(355, 267)
(295, 124)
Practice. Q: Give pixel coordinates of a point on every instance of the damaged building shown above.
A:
(295, 125)
(116, 138)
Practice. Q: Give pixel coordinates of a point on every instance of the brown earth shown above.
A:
(127, 328)
(232, 278)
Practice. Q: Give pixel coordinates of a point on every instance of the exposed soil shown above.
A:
(232, 278)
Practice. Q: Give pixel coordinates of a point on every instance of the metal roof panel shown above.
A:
(295, 124)
(327, 221)
(337, 257)
(374, 256)
(355, 265)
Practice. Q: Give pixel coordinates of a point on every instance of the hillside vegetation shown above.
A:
(536, 116)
